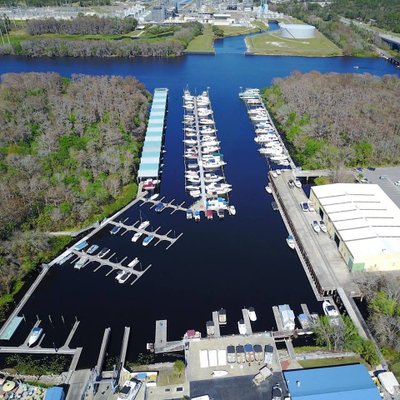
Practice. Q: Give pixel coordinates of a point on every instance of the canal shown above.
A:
(241, 261)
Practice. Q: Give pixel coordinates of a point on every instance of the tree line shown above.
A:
(68, 153)
(82, 25)
(338, 120)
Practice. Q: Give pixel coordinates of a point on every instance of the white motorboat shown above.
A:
(207, 131)
(190, 141)
(154, 196)
(278, 171)
(268, 189)
(242, 327)
(144, 225)
(130, 389)
(193, 179)
(192, 174)
(330, 311)
(297, 183)
(206, 121)
(274, 174)
(213, 164)
(136, 236)
(218, 374)
(191, 156)
(81, 263)
(195, 193)
(209, 149)
(266, 138)
(147, 240)
(34, 336)
(279, 157)
(232, 210)
(192, 187)
(290, 241)
(214, 185)
(252, 314)
(315, 226)
(259, 117)
(91, 249)
(134, 262)
(122, 276)
(211, 177)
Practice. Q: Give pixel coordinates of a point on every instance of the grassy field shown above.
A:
(237, 30)
(259, 24)
(325, 362)
(273, 44)
(203, 43)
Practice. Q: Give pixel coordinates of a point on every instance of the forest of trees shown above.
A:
(82, 25)
(381, 292)
(68, 153)
(351, 40)
(338, 120)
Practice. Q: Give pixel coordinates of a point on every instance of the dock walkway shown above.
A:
(246, 319)
(217, 331)
(175, 207)
(323, 262)
(102, 354)
(161, 344)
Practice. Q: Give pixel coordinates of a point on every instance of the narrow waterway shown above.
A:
(242, 261)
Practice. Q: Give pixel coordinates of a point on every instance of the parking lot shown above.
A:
(385, 178)
(237, 388)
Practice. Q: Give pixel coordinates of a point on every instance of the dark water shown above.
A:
(242, 261)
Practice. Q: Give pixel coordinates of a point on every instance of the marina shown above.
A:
(267, 136)
(203, 160)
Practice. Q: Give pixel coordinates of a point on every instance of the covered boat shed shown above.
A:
(149, 167)
(342, 382)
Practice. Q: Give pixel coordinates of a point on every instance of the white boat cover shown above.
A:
(203, 354)
(212, 356)
(221, 357)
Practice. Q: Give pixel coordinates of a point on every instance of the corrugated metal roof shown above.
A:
(344, 382)
(366, 219)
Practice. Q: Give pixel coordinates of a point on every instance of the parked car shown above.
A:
(291, 183)
(310, 206)
(371, 168)
(315, 226)
(322, 226)
(304, 206)
(364, 180)
(397, 183)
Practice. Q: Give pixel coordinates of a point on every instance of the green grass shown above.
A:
(203, 43)
(273, 44)
(237, 30)
(259, 24)
(393, 358)
(307, 349)
(325, 362)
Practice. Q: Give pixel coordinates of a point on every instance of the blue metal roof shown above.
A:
(343, 382)
(55, 393)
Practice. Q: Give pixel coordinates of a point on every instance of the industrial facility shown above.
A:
(364, 223)
(297, 31)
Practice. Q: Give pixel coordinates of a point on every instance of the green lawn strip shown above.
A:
(262, 25)
(325, 362)
(203, 43)
(237, 30)
(273, 44)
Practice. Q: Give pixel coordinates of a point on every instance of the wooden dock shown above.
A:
(246, 319)
(102, 354)
(124, 347)
(306, 311)
(290, 349)
(216, 324)
(174, 207)
(70, 336)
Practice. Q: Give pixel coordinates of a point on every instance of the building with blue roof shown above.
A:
(150, 161)
(55, 393)
(342, 382)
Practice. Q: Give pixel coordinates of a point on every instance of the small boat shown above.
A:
(231, 354)
(249, 352)
(218, 374)
(81, 245)
(192, 187)
(123, 276)
(195, 193)
(130, 389)
(222, 316)
(147, 240)
(297, 183)
(144, 225)
(65, 259)
(209, 214)
(315, 226)
(252, 314)
(240, 356)
(81, 263)
(154, 196)
(268, 189)
(92, 249)
(115, 230)
(274, 206)
(34, 336)
(197, 216)
(329, 309)
(189, 214)
(305, 322)
(258, 352)
(134, 262)
(221, 213)
(290, 241)
(232, 210)
(104, 251)
(274, 174)
(160, 207)
(136, 236)
(241, 327)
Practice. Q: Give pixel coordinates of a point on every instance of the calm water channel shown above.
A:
(242, 261)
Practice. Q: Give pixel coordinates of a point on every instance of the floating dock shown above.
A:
(161, 344)
(150, 160)
(255, 106)
(217, 332)
(202, 156)
(246, 319)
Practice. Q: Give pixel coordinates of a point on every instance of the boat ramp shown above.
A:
(271, 143)
(204, 164)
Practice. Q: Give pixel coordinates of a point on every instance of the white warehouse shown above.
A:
(297, 31)
(363, 221)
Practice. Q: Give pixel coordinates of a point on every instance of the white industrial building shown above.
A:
(297, 31)
(363, 221)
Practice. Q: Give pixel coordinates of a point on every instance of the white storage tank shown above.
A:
(297, 31)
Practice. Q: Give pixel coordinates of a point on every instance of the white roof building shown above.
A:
(363, 221)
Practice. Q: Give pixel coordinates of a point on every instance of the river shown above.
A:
(242, 261)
